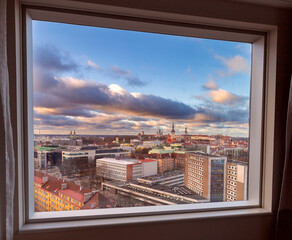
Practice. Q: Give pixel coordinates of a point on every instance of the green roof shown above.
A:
(161, 151)
(186, 151)
(46, 148)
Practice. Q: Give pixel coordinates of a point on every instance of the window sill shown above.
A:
(93, 223)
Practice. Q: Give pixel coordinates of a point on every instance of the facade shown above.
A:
(76, 161)
(149, 167)
(112, 152)
(120, 170)
(165, 164)
(235, 153)
(47, 156)
(236, 181)
(53, 194)
(180, 158)
(79, 160)
(206, 175)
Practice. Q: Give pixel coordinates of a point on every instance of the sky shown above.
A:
(107, 81)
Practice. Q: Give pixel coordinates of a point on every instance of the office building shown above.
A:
(206, 174)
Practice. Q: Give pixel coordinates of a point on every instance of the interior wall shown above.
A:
(251, 227)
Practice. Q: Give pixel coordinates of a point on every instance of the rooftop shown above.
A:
(118, 161)
(74, 191)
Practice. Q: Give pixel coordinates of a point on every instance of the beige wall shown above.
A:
(252, 227)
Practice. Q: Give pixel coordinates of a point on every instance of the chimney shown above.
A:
(63, 186)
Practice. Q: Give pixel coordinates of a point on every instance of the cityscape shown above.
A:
(90, 172)
(129, 119)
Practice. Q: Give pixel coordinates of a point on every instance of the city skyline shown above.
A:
(114, 82)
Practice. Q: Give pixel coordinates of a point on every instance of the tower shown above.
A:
(186, 131)
(172, 133)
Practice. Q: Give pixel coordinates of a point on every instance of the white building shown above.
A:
(121, 170)
(149, 167)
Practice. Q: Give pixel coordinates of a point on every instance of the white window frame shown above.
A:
(264, 40)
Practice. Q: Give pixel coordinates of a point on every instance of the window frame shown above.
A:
(263, 67)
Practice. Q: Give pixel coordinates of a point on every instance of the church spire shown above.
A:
(172, 128)
(172, 132)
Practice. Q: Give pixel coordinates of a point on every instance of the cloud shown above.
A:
(53, 120)
(235, 65)
(93, 65)
(62, 101)
(48, 57)
(70, 94)
(59, 92)
(132, 80)
(222, 96)
(76, 112)
(211, 84)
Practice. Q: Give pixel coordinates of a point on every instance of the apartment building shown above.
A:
(165, 164)
(236, 180)
(55, 194)
(206, 175)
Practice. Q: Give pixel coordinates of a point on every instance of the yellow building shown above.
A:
(53, 194)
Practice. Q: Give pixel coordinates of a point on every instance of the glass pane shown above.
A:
(127, 119)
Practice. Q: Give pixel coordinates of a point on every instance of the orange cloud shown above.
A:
(222, 96)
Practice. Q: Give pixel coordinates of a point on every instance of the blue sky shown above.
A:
(125, 80)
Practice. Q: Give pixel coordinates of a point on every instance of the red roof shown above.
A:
(99, 201)
(147, 160)
(54, 185)
(73, 194)
(73, 191)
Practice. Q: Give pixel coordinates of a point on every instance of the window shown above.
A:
(256, 110)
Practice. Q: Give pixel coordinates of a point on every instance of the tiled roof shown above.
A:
(147, 160)
(99, 201)
(76, 195)
(54, 185)
(74, 191)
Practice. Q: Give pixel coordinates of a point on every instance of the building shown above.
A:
(236, 180)
(81, 158)
(45, 157)
(118, 152)
(53, 194)
(172, 133)
(149, 167)
(161, 152)
(74, 161)
(156, 194)
(180, 158)
(121, 170)
(165, 164)
(68, 141)
(206, 175)
(151, 144)
(235, 153)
